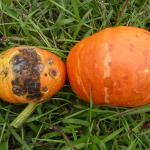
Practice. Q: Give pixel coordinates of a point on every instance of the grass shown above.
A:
(65, 122)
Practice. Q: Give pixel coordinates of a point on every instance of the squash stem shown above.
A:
(21, 118)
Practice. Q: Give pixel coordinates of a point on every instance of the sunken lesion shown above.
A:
(53, 73)
(27, 66)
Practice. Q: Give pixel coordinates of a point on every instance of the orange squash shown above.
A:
(112, 67)
(29, 74)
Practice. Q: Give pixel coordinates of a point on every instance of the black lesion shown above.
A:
(27, 67)
(32, 86)
(53, 73)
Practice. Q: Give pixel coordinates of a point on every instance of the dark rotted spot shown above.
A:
(26, 67)
(32, 85)
(45, 89)
(34, 96)
(53, 73)
(45, 74)
(39, 67)
(18, 89)
(50, 61)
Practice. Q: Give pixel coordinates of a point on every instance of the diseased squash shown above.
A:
(112, 67)
(29, 74)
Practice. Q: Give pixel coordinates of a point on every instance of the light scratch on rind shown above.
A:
(107, 61)
(80, 80)
(107, 71)
(106, 98)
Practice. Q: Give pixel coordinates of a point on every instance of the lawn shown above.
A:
(65, 122)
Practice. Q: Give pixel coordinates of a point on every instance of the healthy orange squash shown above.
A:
(112, 67)
(29, 74)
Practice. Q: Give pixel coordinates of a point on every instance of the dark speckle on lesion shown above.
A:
(26, 66)
(4, 72)
(45, 74)
(50, 61)
(18, 88)
(45, 89)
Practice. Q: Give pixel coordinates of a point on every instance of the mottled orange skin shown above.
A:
(54, 84)
(113, 65)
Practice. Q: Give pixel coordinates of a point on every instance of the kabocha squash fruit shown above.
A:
(29, 75)
(112, 67)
